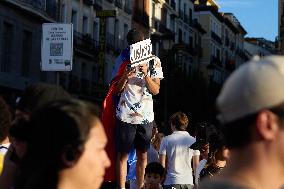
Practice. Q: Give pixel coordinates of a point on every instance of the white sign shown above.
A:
(141, 52)
(56, 47)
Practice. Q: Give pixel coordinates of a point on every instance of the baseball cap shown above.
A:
(256, 85)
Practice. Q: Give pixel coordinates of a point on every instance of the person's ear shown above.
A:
(70, 156)
(267, 125)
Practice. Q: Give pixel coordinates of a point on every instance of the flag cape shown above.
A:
(108, 115)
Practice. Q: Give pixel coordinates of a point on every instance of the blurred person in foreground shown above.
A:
(5, 124)
(251, 110)
(65, 148)
(32, 98)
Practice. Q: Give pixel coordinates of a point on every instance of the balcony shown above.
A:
(181, 14)
(88, 2)
(227, 42)
(216, 37)
(37, 5)
(85, 87)
(118, 3)
(241, 54)
(216, 61)
(141, 17)
(232, 46)
(173, 4)
(85, 43)
(127, 9)
(114, 43)
(98, 4)
(193, 51)
(74, 84)
(162, 28)
(230, 65)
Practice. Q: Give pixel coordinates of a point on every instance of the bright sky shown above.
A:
(258, 17)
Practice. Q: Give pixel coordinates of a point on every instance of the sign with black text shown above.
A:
(56, 47)
(141, 52)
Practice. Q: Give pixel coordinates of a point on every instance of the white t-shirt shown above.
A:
(179, 156)
(136, 104)
(199, 168)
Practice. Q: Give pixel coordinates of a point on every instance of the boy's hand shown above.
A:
(143, 68)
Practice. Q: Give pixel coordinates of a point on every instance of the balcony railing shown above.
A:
(85, 43)
(216, 37)
(241, 53)
(181, 14)
(232, 47)
(216, 60)
(159, 26)
(127, 9)
(230, 65)
(88, 2)
(85, 87)
(98, 4)
(173, 4)
(227, 41)
(38, 5)
(141, 17)
(118, 3)
(114, 43)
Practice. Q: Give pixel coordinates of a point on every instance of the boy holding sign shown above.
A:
(135, 108)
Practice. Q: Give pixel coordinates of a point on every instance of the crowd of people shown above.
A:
(55, 141)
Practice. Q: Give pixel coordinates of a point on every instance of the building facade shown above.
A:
(224, 41)
(20, 43)
(259, 47)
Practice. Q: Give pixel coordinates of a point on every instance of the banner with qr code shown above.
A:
(57, 47)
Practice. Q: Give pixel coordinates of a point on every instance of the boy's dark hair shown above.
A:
(134, 36)
(156, 168)
(179, 120)
(5, 119)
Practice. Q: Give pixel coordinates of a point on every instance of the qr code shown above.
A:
(56, 49)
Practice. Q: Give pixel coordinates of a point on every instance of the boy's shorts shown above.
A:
(133, 135)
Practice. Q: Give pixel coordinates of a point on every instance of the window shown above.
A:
(74, 19)
(7, 42)
(96, 31)
(116, 32)
(63, 13)
(85, 25)
(125, 31)
(179, 36)
(190, 15)
(26, 52)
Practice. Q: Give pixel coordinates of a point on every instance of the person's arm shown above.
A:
(153, 85)
(163, 160)
(123, 80)
(195, 162)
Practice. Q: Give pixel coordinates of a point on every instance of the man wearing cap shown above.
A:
(251, 111)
